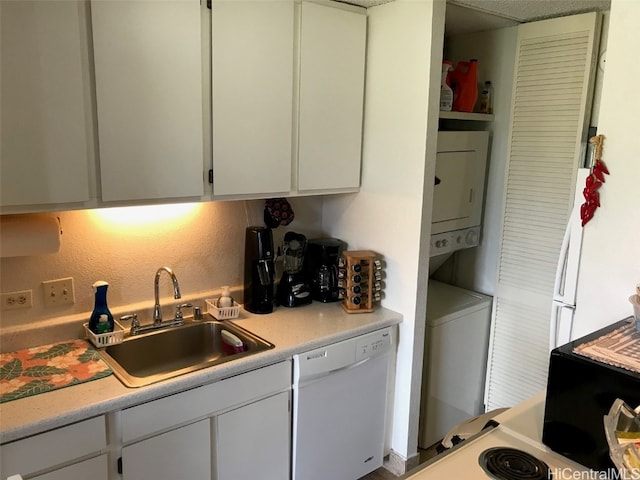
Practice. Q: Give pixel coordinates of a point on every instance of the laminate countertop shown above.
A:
(292, 331)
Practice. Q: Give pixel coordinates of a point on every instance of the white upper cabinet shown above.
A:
(288, 87)
(46, 141)
(252, 96)
(332, 72)
(148, 69)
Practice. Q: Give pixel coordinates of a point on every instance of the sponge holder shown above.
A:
(222, 313)
(102, 340)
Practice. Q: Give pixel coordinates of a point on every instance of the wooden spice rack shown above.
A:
(360, 275)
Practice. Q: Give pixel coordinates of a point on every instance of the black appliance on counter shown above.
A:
(293, 289)
(259, 270)
(323, 255)
(580, 391)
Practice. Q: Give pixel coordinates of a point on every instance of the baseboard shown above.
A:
(399, 465)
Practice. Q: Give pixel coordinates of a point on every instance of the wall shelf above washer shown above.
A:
(482, 117)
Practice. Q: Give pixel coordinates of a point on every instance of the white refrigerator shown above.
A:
(566, 282)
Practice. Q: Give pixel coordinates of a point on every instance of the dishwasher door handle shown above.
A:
(311, 379)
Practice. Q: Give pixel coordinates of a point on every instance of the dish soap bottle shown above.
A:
(101, 320)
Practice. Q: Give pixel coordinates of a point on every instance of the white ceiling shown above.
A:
(529, 10)
(465, 16)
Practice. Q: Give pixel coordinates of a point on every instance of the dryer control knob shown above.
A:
(472, 237)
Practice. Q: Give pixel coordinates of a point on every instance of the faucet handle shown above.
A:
(135, 323)
(179, 314)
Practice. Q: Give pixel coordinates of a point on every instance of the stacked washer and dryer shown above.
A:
(458, 320)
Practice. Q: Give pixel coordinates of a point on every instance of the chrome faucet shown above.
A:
(157, 313)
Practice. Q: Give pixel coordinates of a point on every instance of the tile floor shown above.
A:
(384, 474)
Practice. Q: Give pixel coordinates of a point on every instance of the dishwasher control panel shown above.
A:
(341, 354)
(373, 344)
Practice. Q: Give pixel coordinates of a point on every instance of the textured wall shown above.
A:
(205, 248)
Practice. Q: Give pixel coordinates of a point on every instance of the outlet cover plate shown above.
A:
(58, 292)
(16, 300)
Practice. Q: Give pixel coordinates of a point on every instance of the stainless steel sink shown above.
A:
(142, 360)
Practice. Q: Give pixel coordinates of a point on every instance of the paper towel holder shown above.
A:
(30, 234)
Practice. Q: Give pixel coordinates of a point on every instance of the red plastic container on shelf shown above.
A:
(464, 81)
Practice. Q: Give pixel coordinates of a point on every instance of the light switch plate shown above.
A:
(58, 292)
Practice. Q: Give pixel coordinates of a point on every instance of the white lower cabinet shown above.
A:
(74, 452)
(94, 468)
(181, 453)
(236, 428)
(253, 441)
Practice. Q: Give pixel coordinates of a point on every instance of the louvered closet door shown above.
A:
(551, 103)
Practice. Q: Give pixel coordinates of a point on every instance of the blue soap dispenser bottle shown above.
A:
(101, 320)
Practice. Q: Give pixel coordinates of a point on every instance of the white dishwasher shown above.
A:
(339, 406)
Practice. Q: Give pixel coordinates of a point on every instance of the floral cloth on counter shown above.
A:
(42, 369)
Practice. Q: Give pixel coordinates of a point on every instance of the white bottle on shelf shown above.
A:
(486, 98)
(446, 93)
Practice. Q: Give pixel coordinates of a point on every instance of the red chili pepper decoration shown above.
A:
(599, 174)
(593, 182)
(599, 165)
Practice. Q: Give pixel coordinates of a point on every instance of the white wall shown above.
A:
(391, 214)
(610, 261)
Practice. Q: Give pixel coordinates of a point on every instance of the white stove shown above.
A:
(519, 430)
(464, 461)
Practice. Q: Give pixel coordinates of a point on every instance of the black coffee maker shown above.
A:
(323, 255)
(258, 270)
(293, 289)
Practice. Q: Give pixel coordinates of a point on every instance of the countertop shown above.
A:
(526, 418)
(291, 330)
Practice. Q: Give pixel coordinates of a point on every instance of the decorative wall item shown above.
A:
(593, 182)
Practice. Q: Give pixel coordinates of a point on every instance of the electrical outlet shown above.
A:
(15, 300)
(58, 292)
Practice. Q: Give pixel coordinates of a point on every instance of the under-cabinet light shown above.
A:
(147, 215)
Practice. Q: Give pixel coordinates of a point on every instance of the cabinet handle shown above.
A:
(120, 465)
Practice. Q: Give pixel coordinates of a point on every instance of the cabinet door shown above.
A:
(181, 453)
(45, 115)
(56, 447)
(252, 96)
(532, 229)
(94, 468)
(148, 62)
(254, 441)
(332, 60)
